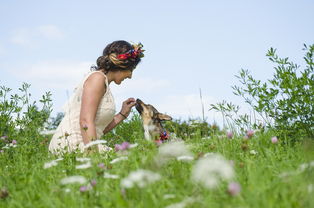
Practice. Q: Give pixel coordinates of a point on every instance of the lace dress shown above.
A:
(67, 137)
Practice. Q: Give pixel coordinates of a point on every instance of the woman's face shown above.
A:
(122, 75)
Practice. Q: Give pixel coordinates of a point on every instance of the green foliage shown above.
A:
(286, 101)
(130, 130)
(19, 117)
(54, 122)
(190, 128)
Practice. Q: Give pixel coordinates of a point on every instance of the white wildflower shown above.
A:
(169, 196)
(52, 163)
(118, 159)
(84, 166)
(211, 169)
(253, 152)
(172, 150)
(73, 179)
(67, 190)
(108, 175)
(95, 143)
(133, 145)
(182, 204)
(205, 138)
(208, 154)
(140, 178)
(82, 159)
(185, 158)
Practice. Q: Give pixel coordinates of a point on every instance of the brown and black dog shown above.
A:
(151, 118)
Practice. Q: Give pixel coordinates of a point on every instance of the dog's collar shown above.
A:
(164, 136)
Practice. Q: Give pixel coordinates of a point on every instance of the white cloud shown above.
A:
(22, 37)
(30, 36)
(50, 32)
(53, 74)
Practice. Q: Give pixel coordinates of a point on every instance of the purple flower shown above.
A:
(14, 141)
(3, 137)
(1, 151)
(93, 182)
(249, 133)
(123, 146)
(229, 135)
(234, 188)
(83, 188)
(101, 165)
(274, 140)
(245, 137)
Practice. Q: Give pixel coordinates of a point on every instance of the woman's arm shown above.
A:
(93, 90)
(123, 114)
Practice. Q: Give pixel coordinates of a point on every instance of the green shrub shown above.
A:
(286, 101)
(21, 119)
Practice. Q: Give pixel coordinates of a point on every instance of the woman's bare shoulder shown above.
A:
(96, 79)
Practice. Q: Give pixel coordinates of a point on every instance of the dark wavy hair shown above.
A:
(109, 61)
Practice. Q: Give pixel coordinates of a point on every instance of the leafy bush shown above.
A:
(19, 118)
(286, 101)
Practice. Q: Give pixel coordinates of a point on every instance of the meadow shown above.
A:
(242, 165)
(265, 173)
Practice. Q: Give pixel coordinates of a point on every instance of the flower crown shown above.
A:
(133, 53)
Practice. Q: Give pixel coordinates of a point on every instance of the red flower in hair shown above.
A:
(133, 53)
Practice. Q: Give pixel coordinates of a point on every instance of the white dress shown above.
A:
(68, 137)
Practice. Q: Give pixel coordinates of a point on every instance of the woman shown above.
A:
(90, 112)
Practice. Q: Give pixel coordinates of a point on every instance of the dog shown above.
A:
(151, 118)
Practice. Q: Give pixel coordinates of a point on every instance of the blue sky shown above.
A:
(190, 45)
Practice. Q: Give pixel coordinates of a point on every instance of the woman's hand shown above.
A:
(127, 106)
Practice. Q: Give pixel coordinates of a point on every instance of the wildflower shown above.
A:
(52, 163)
(169, 196)
(245, 137)
(140, 178)
(185, 158)
(107, 175)
(118, 159)
(182, 204)
(234, 188)
(250, 133)
(123, 146)
(274, 140)
(253, 152)
(14, 141)
(93, 182)
(82, 159)
(172, 150)
(209, 170)
(101, 165)
(67, 190)
(1, 151)
(133, 145)
(229, 135)
(84, 166)
(83, 188)
(85, 127)
(95, 143)
(73, 179)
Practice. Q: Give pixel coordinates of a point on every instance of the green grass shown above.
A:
(30, 185)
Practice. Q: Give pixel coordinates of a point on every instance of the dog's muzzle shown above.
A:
(138, 106)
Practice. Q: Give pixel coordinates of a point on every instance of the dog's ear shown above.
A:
(164, 117)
